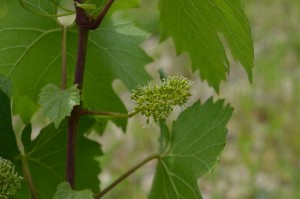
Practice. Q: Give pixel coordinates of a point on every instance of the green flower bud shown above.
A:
(9, 179)
(158, 101)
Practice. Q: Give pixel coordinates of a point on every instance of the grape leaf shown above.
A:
(26, 137)
(125, 4)
(116, 6)
(197, 139)
(46, 157)
(30, 56)
(57, 103)
(195, 25)
(8, 143)
(116, 47)
(164, 139)
(45, 8)
(41, 8)
(5, 85)
(64, 191)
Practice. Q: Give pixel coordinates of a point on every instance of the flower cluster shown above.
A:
(159, 101)
(9, 179)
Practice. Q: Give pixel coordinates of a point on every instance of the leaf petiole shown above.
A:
(28, 177)
(126, 174)
(107, 114)
(64, 57)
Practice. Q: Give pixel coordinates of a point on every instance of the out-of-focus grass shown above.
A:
(262, 156)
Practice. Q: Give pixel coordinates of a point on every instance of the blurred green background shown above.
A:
(261, 159)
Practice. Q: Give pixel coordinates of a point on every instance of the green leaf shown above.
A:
(112, 54)
(46, 157)
(198, 138)
(117, 45)
(125, 4)
(64, 191)
(86, 6)
(87, 165)
(43, 8)
(195, 27)
(57, 103)
(26, 138)
(5, 85)
(116, 6)
(8, 144)
(164, 139)
(18, 107)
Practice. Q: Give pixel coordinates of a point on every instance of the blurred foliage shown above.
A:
(261, 158)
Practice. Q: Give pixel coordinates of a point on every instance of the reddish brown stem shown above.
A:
(82, 19)
(74, 118)
(84, 24)
(101, 16)
(81, 55)
(71, 147)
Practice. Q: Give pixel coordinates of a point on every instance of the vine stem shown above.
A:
(28, 178)
(84, 25)
(125, 175)
(74, 118)
(101, 16)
